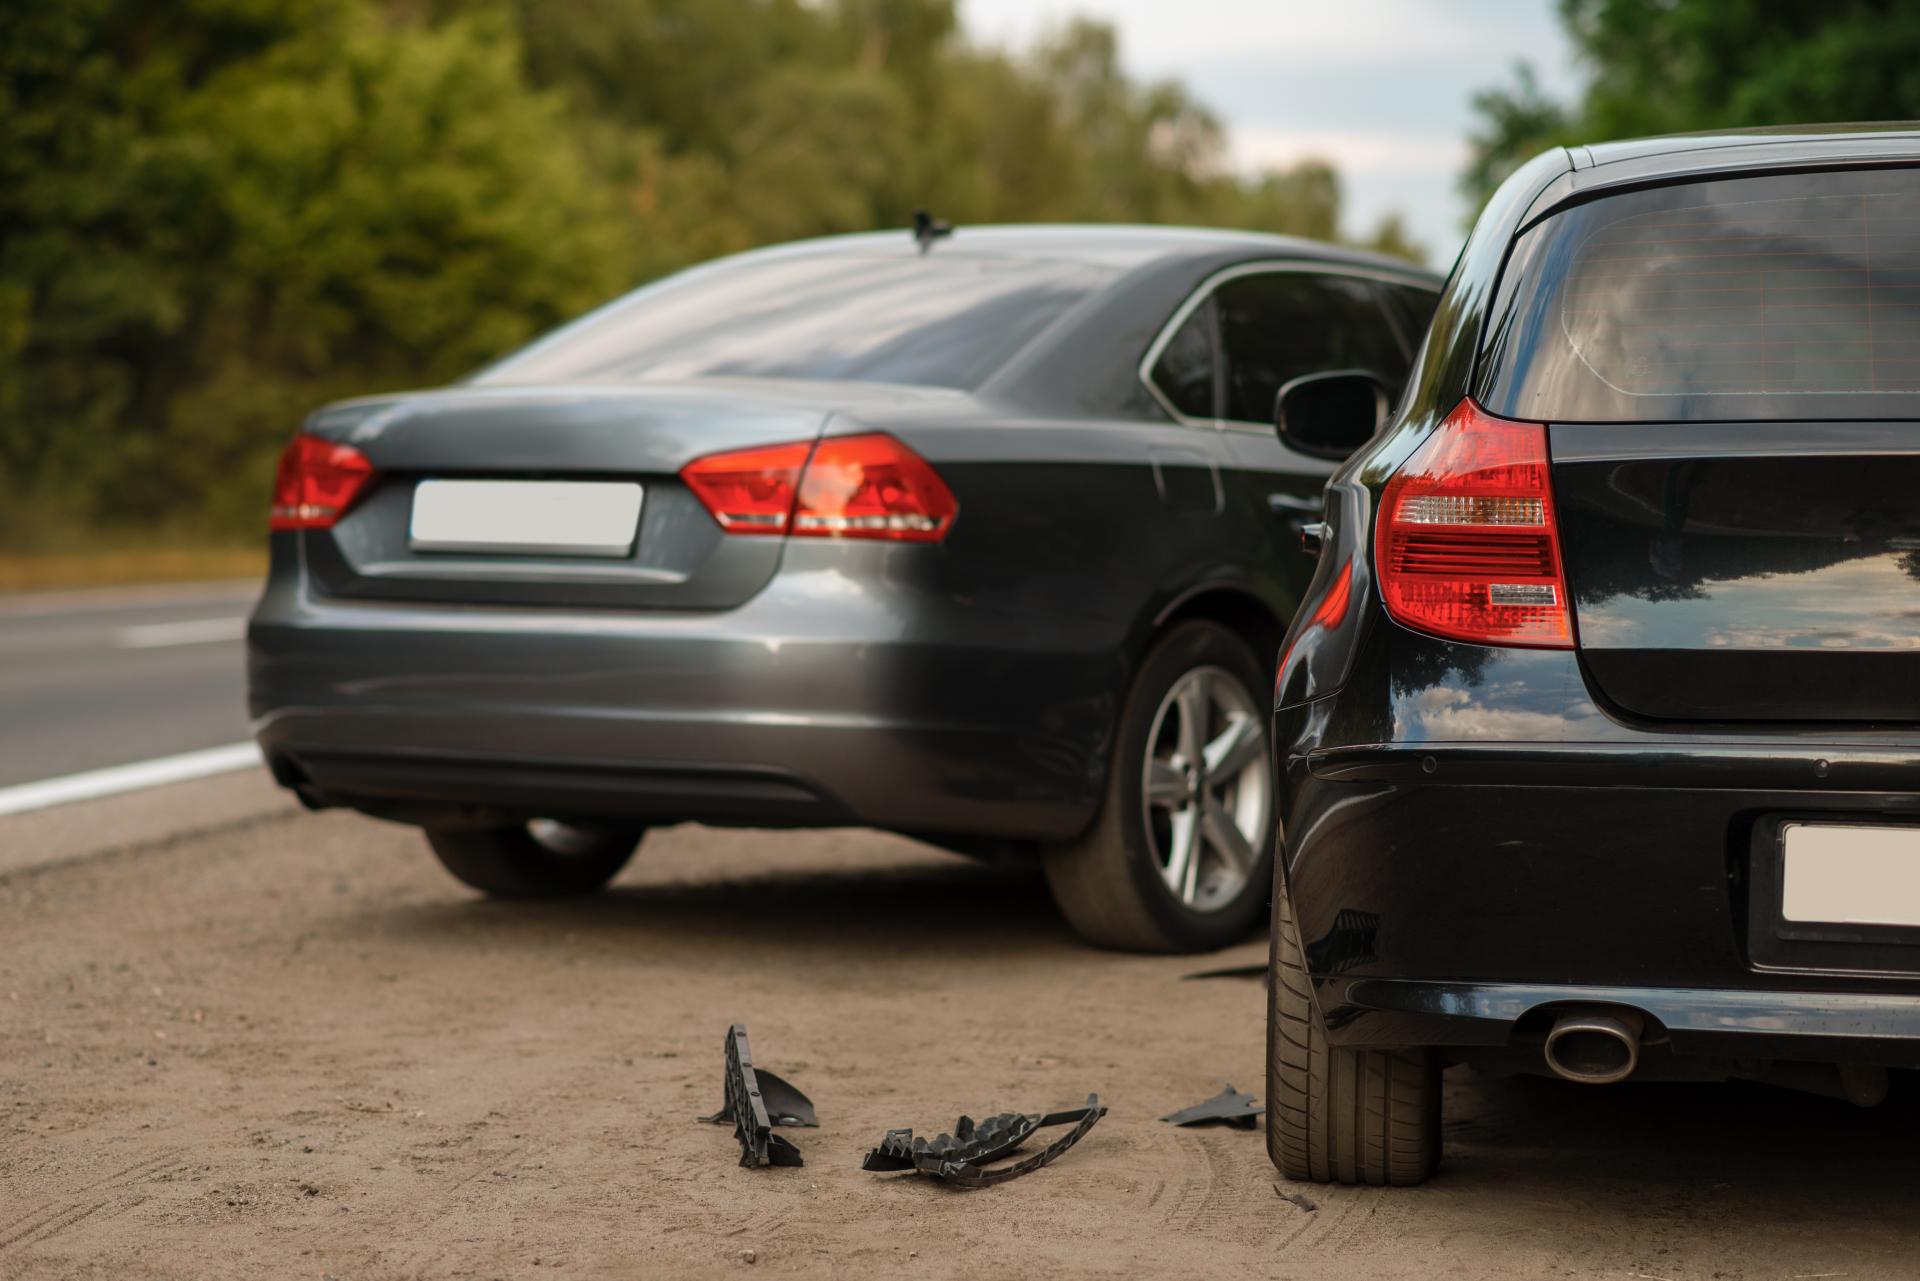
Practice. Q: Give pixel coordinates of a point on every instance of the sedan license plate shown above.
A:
(1850, 875)
(525, 517)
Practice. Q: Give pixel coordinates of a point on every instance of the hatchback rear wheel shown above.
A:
(1180, 857)
(541, 859)
(1338, 1115)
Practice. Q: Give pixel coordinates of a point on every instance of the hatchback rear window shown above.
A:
(1794, 296)
(945, 319)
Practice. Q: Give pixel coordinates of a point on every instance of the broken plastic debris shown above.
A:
(1229, 1106)
(1232, 972)
(1305, 1203)
(963, 1156)
(756, 1101)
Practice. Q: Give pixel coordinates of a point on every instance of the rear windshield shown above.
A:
(942, 320)
(1792, 296)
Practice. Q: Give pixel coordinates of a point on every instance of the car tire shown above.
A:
(1336, 1115)
(542, 859)
(1125, 883)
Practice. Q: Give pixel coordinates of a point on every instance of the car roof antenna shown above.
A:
(927, 229)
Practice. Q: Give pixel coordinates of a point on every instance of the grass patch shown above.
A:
(117, 567)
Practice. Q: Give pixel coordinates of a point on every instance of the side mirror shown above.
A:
(1332, 414)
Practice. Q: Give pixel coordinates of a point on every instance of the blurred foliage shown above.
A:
(216, 213)
(1675, 66)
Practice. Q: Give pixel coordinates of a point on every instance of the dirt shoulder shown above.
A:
(294, 1048)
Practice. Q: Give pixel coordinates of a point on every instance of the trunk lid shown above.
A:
(638, 434)
(1745, 571)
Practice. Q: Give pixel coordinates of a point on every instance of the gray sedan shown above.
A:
(990, 542)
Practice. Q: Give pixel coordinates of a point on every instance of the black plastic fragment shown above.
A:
(755, 1102)
(963, 1156)
(1305, 1203)
(1229, 1106)
(1233, 972)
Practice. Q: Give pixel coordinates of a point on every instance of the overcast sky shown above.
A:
(1379, 87)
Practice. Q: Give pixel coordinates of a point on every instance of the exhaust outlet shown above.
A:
(1595, 1046)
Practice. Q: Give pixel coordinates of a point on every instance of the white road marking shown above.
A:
(128, 778)
(193, 631)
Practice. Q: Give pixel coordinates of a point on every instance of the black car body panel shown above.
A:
(1477, 835)
(961, 689)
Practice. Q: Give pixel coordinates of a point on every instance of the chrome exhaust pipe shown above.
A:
(1595, 1046)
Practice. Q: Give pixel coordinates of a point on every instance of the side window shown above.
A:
(1277, 326)
(1185, 371)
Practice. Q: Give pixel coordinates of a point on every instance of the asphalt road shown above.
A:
(286, 1044)
(92, 679)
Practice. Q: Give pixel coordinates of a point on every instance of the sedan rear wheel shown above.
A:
(541, 859)
(1179, 859)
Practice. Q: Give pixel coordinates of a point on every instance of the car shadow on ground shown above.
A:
(1668, 1145)
(951, 901)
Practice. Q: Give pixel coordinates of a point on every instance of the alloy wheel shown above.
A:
(1207, 790)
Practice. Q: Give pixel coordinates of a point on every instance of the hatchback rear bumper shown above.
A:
(815, 703)
(1454, 894)
(1727, 1023)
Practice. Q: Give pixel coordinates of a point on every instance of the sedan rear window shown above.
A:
(942, 320)
(1792, 296)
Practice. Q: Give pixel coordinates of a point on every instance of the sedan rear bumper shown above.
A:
(815, 703)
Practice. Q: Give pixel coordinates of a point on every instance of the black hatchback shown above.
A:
(1600, 726)
(987, 540)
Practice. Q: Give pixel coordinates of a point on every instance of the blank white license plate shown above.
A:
(1851, 875)
(527, 517)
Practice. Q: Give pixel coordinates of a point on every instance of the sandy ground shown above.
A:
(290, 1047)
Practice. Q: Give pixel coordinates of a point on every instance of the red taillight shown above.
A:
(1467, 546)
(316, 482)
(749, 491)
(852, 487)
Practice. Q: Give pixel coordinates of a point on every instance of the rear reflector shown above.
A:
(317, 481)
(868, 486)
(1467, 546)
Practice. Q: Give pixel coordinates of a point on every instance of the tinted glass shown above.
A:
(1792, 296)
(1416, 310)
(1275, 327)
(1184, 372)
(943, 320)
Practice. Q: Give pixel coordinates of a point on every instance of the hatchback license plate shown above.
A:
(525, 517)
(1850, 875)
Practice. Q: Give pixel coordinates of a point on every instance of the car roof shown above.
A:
(1122, 246)
(1566, 175)
(1685, 151)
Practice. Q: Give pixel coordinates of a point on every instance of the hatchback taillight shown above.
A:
(869, 486)
(317, 481)
(1466, 545)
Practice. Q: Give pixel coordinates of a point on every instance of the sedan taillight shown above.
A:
(317, 481)
(1467, 546)
(869, 486)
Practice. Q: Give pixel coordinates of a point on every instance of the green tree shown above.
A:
(1671, 66)
(214, 216)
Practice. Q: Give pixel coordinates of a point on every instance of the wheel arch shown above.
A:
(1232, 606)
